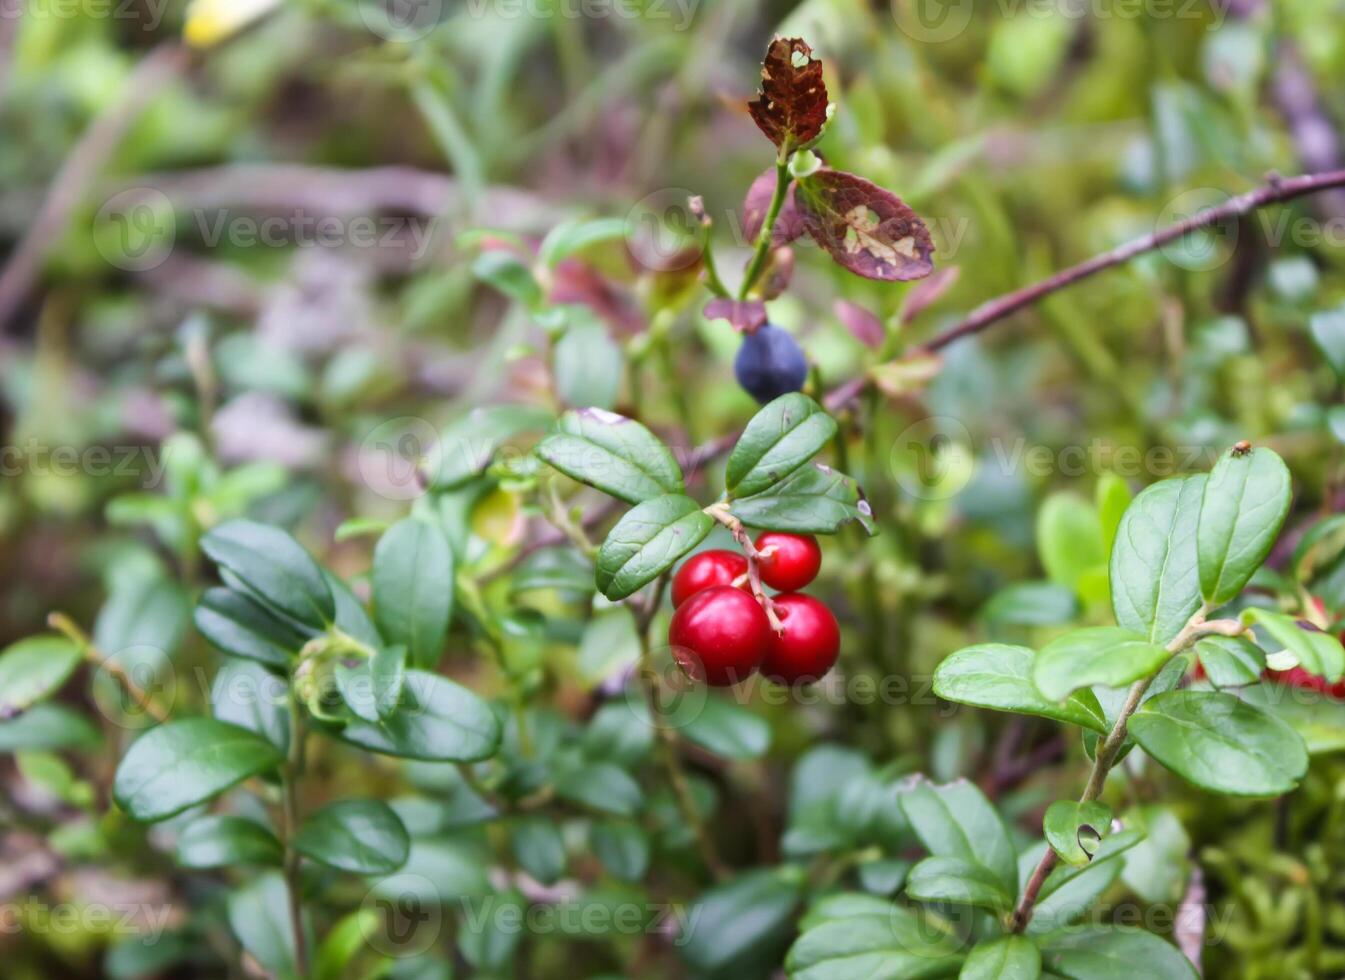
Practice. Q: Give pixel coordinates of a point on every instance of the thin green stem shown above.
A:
(763, 245)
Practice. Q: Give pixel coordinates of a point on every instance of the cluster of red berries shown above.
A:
(721, 633)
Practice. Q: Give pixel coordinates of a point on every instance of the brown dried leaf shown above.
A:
(862, 323)
(788, 224)
(868, 230)
(791, 108)
(746, 317)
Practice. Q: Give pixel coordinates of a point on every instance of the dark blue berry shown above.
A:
(769, 364)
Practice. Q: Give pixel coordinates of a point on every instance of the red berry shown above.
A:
(707, 569)
(793, 561)
(809, 643)
(720, 635)
(1300, 678)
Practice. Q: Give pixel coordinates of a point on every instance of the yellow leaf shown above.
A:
(211, 21)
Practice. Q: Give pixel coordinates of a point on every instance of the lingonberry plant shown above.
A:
(547, 671)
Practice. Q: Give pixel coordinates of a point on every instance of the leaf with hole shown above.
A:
(866, 229)
(1074, 830)
(791, 108)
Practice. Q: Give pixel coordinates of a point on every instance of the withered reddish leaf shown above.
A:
(576, 282)
(863, 324)
(788, 224)
(868, 230)
(792, 105)
(746, 316)
(925, 295)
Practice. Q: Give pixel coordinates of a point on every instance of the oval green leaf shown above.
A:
(778, 440)
(612, 453)
(948, 879)
(1317, 652)
(1074, 829)
(439, 721)
(814, 499)
(1155, 585)
(243, 627)
(274, 568)
(359, 836)
(413, 588)
(224, 841)
(999, 676)
(1005, 958)
(1246, 499)
(647, 541)
(1103, 655)
(33, 669)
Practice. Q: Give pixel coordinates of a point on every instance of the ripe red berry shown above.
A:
(793, 562)
(720, 635)
(1300, 678)
(705, 570)
(809, 643)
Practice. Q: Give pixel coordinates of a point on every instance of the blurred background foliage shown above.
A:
(261, 375)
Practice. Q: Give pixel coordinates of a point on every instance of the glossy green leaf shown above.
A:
(359, 836)
(1318, 718)
(1074, 830)
(1096, 655)
(814, 499)
(1155, 585)
(778, 440)
(246, 694)
(259, 915)
(242, 627)
(372, 686)
(1230, 661)
(1070, 890)
(275, 569)
(959, 882)
(957, 821)
(439, 721)
(1113, 953)
(1245, 502)
(1220, 743)
(647, 541)
(538, 847)
(1317, 652)
(601, 786)
(217, 841)
(1005, 958)
(468, 445)
(622, 847)
(182, 763)
(728, 729)
(900, 942)
(999, 676)
(612, 453)
(1069, 538)
(413, 588)
(48, 726)
(34, 669)
(742, 922)
(587, 365)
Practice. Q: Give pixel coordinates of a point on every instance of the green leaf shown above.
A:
(182, 763)
(1070, 890)
(243, 627)
(1157, 868)
(778, 440)
(647, 541)
(898, 943)
(48, 726)
(1317, 652)
(587, 366)
(506, 272)
(1096, 655)
(1319, 719)
(225, 841)
(571, 237)
(274, 568)
(1005, 958)
(610, 644)
(360, 836)
(1155, 586)
(622, 847)
(467, 445)
(1113, 953)
(742, 922)
(538, 847)
(949, 879)
(563, 569)
(728, 729)
(1112, 498)
(1220, 743)
(413, 588)
(1074, 830)
(1069, 538)
(612, 453)
(1231, 661)
(814, 499)
(999, 676)
(246, 694)
(372, 686)
(957, 821)
(1031, 604)
(439, 721)
(259, 915)
(601, 786)
(1246, 499)
(33, 669)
